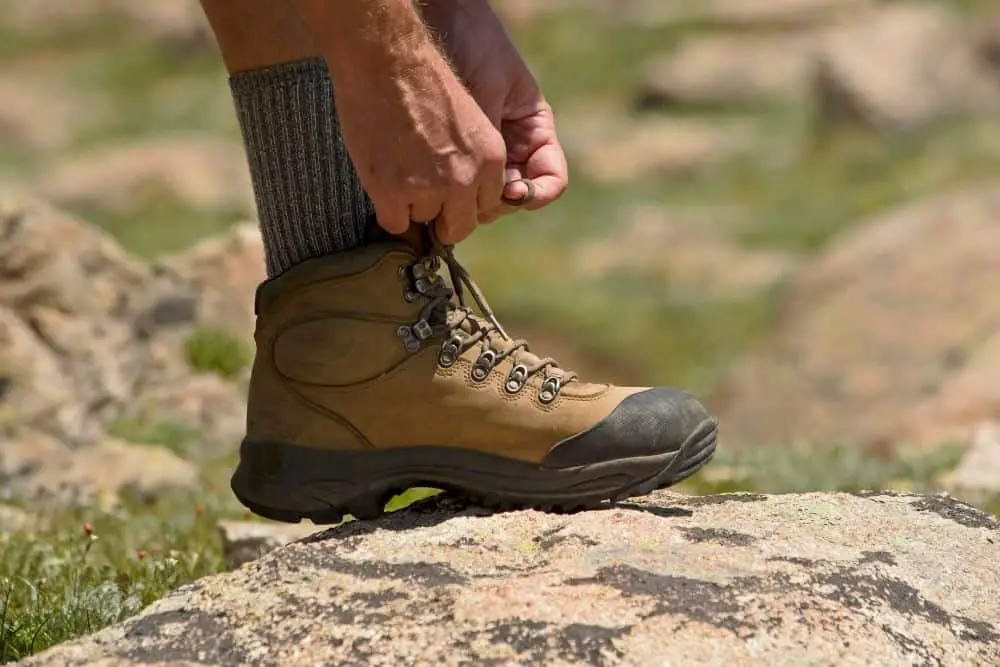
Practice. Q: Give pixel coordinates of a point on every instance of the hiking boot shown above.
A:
(373, 375)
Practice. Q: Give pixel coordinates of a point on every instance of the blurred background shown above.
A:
(789, 207)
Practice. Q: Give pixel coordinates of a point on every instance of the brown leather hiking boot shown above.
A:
(373, 376)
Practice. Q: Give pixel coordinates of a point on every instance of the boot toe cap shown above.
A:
(647, 423)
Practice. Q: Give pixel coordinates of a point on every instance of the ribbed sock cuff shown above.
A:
(308, 197)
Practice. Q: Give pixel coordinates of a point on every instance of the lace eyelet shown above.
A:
(484, 364)
(549, 390)
(426, 267)
(450, 351)
(403, 272)
(423, 330)
(516, 379)
(410, 342)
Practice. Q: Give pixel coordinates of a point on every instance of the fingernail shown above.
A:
(516, 190)
(518, 193)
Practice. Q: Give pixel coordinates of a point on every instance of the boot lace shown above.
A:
(448, 315)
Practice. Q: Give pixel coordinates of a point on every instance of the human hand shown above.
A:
(474, 39)
(423, 148)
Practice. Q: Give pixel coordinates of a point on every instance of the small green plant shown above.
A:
(217, 351)
(83, 569)
(776, 469)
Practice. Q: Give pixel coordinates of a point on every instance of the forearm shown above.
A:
(359, 36)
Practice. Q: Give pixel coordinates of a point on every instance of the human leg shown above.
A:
(371, 374)
(308, 197)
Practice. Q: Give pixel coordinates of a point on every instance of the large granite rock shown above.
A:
(932, 66)
(891, 337)
(720, 580)
(92, 338)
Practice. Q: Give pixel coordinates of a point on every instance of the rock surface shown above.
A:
(889, 337)
(180, 24)
(201, 171)
(225, 271)
(34, 466)
(91, 336)
(716, 580)
(743, 13)
(661, 13)
(13, 520)
(934, 65)
(976, 474)
(931, 67)
(728, 69)
(245, 541)
(704, 264)
(38, 116)
(661, 148)
(69, 299)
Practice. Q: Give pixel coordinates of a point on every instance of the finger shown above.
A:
(491, 185)
(393, 215)
(513, 173)
(487, 218)
(491, 210)
(549, 172)
(519, 193)
(514, 189)
(425, 210)
(458, 218)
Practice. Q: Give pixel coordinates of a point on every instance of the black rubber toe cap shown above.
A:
(650, 422)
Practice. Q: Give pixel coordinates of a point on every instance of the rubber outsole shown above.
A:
(289, 483)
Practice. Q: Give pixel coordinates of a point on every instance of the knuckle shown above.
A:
(496, 162)
(497, 151)
(392, 223)
(415, 184)
(464, 178)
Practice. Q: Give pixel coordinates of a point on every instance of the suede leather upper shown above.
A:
(332, 372)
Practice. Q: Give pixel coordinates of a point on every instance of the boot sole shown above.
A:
(289, 483)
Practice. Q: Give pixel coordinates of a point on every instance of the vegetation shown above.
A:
(82, 569)
(215, 351)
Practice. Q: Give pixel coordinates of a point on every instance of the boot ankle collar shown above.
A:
(326, 267)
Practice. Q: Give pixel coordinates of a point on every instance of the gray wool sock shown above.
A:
(308, 197)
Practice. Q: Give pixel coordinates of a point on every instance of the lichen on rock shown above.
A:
(872, 578)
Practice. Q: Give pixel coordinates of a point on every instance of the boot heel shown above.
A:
(260, 482)
(286, 483)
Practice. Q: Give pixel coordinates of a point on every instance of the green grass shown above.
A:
(156, 223)
(155, 90)
(87, 569)
(830, 468)
(216, 351)
(143, 429)
(809, 183)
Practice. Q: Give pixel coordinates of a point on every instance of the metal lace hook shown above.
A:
(461, 278)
